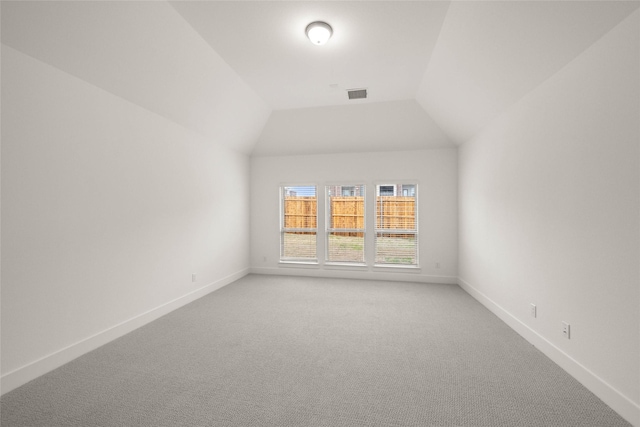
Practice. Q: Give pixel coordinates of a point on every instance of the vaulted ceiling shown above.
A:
(243, 73)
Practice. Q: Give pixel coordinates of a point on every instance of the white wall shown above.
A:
(107, 210)
(549, 214)
(435, 171)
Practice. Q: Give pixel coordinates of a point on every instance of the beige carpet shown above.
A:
(289, 351)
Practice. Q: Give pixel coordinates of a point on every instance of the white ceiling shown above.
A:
(243, 73)
(382, 46)
(491, 54)
(145, 53)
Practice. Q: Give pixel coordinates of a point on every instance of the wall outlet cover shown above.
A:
(566, 330)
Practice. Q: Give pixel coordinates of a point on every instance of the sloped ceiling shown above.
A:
(244, 75)
(383, 46)
(378, 126)
(145, 53)
(490, 54)
(464, 62)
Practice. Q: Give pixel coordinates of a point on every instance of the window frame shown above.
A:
(284, 230)
(329, 229)
(414, 232)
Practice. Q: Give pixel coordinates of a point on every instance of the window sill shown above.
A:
(302, 264)
(408, 268)
(345, 266)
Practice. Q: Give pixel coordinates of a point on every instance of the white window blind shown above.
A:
(345, 223)
(298, 223)
(396, 239)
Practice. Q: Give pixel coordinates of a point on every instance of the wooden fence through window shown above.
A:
(392, 213)
(396, 213)
(347, 212)
(300, 212)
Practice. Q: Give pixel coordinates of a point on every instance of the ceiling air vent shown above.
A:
(357, 93)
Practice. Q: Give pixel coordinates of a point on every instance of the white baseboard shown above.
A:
(400, 276)
(624, 406)
(30, 371)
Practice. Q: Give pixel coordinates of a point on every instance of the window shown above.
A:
(298, 223)
(394, 230)
(396, 238)
(345, 223)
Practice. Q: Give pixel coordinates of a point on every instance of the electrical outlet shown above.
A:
(437, 264)
(534, 312)
(193, 277)
(566, 330)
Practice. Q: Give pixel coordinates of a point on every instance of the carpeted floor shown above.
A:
(290, 351)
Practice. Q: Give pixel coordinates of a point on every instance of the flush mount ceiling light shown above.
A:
(319, 32)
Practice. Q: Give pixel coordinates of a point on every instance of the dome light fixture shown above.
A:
(319, 32)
